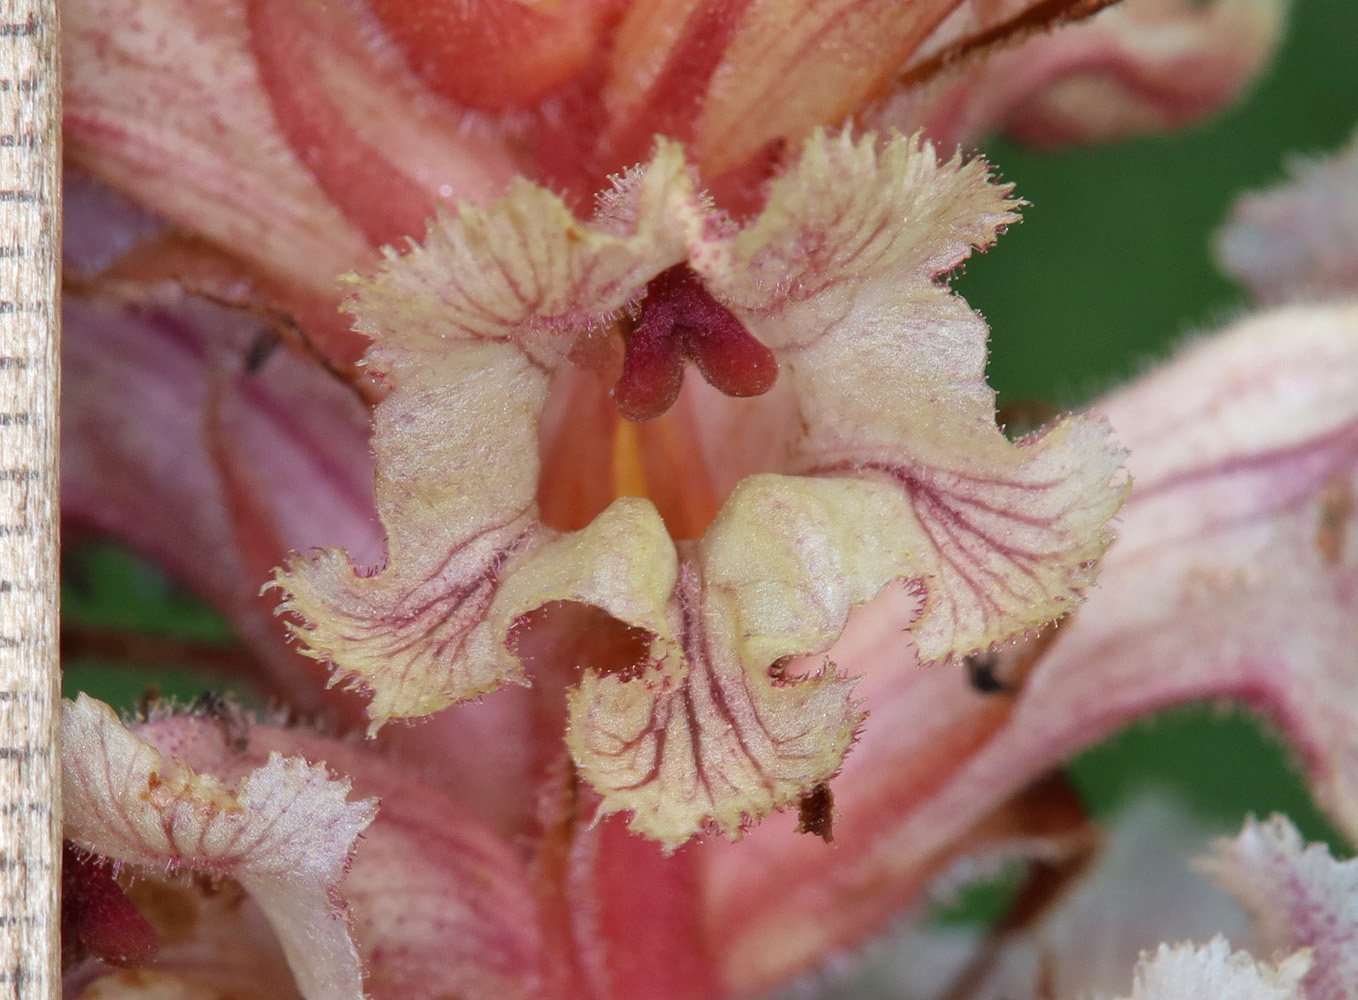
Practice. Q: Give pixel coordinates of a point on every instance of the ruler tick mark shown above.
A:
(22, 862)
(21, 29)
(23, 805)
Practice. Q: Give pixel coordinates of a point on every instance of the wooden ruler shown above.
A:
(30, 248)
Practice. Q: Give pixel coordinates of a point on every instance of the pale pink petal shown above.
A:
(438, 905)
(1139, 66)
(1185, 972)
(1300, 897)
(286, 832)
(841, 276)
(441, 905)
(1234, 577)
(1236, 570)
(173, 445)
(217, 116)
(1298, 240)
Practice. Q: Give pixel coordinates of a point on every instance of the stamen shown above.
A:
(680, 319)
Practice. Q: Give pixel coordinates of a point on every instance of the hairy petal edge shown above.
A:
(1184, 972)
(286, 833)
(841, 276)
(1299, 896)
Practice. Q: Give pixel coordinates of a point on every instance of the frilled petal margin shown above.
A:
(840, 275)
(437, 903)
(712, 734)
(900, 473)
(286, 833)
(1188, 973)
(1300, 897)
(1234, 578)
(467, 329)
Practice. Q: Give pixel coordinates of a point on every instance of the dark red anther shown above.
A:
(680, 319)
(96, 916)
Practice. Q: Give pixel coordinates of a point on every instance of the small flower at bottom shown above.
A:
(285, 833)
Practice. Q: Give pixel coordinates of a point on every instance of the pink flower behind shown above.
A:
(1233, 578)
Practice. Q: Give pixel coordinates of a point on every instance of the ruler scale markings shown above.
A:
(30, 238)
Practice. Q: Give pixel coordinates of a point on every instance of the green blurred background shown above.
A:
(1109, 270)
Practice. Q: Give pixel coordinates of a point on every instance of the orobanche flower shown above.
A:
(873, 457)
(668, 461)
